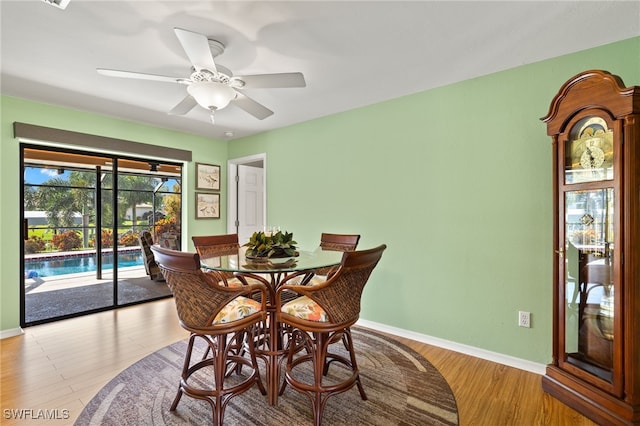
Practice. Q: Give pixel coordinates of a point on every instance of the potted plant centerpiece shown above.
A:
(271, 246)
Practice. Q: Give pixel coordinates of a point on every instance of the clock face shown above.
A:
(589, 152)
(592, 157)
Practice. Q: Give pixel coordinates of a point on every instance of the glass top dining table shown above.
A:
(240, 263)
(271, 341)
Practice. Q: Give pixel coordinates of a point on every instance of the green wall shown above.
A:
(455, 180)
(18, 110)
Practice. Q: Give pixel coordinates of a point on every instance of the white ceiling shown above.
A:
(351, 53)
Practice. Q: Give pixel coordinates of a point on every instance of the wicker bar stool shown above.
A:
(339, 242)
(336, 242)
(332, 242)
(224, 318)
(216, 245)
(221, 245)
(322, 316)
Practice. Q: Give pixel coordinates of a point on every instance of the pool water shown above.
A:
(48, 267)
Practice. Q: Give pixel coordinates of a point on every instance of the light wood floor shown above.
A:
(60, 366)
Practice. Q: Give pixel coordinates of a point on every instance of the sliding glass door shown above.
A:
(146, 203)
(83, 214)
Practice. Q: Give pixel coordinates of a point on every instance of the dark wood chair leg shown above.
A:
(185, 372)
(348, 341)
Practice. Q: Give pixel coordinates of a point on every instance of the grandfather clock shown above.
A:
(594, 123)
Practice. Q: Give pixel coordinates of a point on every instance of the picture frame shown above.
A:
(208, 177)
(207, 205)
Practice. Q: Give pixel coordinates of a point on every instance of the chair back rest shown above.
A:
(145, 238)
(339, 242)
(216, 245)
(198, 297)
(146, 241)
(340, 295)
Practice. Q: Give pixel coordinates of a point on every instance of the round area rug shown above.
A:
(402, 388)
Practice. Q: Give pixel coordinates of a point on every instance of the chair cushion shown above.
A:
(316, 279)
(305, 308)
(235, 282)
(238, 308)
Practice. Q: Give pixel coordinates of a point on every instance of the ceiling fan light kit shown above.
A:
(213, 86)
(211, 95)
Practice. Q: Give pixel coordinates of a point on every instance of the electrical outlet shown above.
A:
(524, 319)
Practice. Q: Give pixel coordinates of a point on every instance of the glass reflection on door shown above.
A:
(589, 246)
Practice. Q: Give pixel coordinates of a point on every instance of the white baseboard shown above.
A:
(510, 361)
(10, 332)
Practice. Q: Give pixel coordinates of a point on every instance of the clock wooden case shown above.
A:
(594, 124)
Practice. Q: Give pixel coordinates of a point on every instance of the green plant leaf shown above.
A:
(278, 245)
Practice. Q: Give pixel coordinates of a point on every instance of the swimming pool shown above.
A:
(47, 267)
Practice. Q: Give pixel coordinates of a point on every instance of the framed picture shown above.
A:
(207, 206)
(208, 177)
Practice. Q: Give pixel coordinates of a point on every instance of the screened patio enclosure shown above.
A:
(82, 216)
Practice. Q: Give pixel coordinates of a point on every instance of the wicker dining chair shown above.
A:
(217, 245)
(336, 242)
(220, 245)
(224, 318)
(339, 242)
(332, 242)
(322, 316)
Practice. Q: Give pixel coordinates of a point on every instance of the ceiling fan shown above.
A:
(213, 86)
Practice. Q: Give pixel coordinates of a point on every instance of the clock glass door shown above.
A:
(589, 290)
(588, 239)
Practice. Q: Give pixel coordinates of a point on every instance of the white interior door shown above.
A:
(250, 201)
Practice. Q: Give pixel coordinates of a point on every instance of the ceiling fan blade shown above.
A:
(196, 46)
(141, 76)
(259, 111)
(185, 105)
(284, 80)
